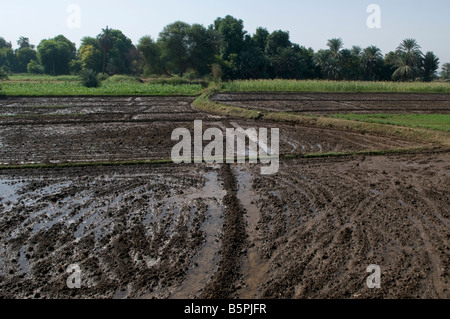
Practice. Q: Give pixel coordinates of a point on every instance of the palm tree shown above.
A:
(106, 42)
(356, 50)
(446, 71)
(411, 48)
(23, 42)
(327, 64)
(409, 57)
(335, 46)
(430, 64)
(404, 70)
(334, 68)
(371, 58)
(287, 64)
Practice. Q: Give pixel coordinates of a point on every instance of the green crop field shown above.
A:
(74, 88)
(439, 122)
(42, 78)
(70, 85)
(29, 85)
(335, 86)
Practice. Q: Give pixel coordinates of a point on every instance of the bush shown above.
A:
(35, 68)
(216, 72)
(102, 77)
(89, 78)
(191, 75)
(75, 67)
(3, 74)
(122, 79)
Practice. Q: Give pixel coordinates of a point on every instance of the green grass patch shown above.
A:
(204, 103)
(176, 81)
(111, 89)
(440, 122)
(335, 86)
(121, 79)
(43, 78)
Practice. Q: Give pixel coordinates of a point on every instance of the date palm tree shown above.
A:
(408, 62)
(106, 42)
(335, 45)
(356, 50)
(327, 64)
(430, 64)
(411, 49)
(446, 71)
(334, 68)
(371, 58)
(404, 71)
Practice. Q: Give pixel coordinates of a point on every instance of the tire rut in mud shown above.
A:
(224, 283)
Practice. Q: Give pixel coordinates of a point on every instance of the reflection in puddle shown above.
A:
(9, 191)
(253, 268)
(207, 258)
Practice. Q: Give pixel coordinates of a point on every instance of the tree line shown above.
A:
(222, 51)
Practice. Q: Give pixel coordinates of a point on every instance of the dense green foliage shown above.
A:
(3, 74)
(56, 54)
(221, 51)
(446, 71)
(90, 54)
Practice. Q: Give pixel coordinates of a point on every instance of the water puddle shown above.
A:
(374, 191)
(9, 191)
(208, 257)
(253, 268)
(23, 261)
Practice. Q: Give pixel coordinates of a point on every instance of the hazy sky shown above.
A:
(310, 23)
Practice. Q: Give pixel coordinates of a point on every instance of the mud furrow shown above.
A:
(224, 283)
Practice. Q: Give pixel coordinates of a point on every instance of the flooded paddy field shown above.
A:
(211, 231)
(61, 130)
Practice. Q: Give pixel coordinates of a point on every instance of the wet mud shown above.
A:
(213, 231)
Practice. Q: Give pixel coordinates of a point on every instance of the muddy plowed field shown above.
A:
(212, 231)
(326, 103)
(52, 130)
